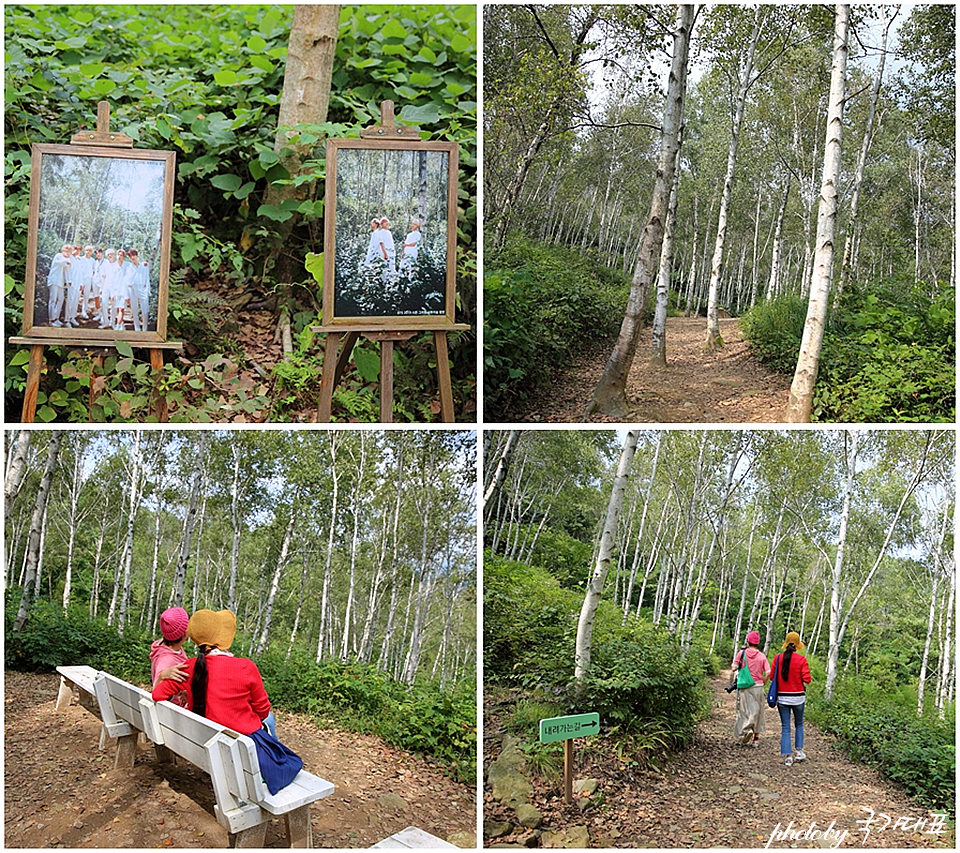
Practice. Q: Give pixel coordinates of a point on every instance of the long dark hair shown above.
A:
(784, 660)
(199, 687)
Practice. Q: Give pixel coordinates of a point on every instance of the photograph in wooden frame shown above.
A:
(116, 205)
(391, 233)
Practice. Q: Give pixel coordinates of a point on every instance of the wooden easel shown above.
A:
(102, 136)
(334, 364)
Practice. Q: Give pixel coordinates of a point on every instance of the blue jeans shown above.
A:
(270, 723)
(785, 727)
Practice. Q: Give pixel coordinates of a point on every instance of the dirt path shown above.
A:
(719, 794)
(60, 790)
(726, 386)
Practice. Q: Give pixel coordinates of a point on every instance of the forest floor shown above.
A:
(716, 793)
(61, 791)
(728, 385)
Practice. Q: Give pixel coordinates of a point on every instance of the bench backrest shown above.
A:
(229, 757)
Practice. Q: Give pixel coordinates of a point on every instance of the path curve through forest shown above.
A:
(725, 386)
(716, 793)
(60, 790)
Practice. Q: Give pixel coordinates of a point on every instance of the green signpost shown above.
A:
(565, 729)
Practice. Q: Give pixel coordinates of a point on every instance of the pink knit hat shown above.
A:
(173, 623)
(754, 637)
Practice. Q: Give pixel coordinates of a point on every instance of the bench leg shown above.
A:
(165, 755)
(64, 694)
(126, 750)
(252, 837)
(299, 830)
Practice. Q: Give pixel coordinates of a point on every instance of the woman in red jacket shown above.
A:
(792, 674)
(220, 687)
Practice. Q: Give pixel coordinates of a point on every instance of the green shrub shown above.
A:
(881, 728)
(52, 638)
(639, 680)
(540, 304)
(774, 330)
(888, 352)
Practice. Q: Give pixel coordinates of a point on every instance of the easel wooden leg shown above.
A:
(156, 362)
(334, 366)
(443, 377)
(386, 382)
(345, 353)
(33, 384)
(327, 378)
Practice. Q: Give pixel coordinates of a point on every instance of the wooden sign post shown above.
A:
(566, 729)
(369, 288)
(103, 146)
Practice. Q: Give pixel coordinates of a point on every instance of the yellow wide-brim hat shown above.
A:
(218, 629)
(793, 637)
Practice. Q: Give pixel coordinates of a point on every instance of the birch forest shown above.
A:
(789, 165)
(669, 546)
(335, 546)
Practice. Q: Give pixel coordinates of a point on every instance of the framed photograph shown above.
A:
(391, 233)
(98, 244)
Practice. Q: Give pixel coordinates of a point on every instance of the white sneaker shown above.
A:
(57, 323)
(788, 761)
(799, 755)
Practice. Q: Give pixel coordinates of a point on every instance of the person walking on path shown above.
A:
(751, 720)
(793, 674)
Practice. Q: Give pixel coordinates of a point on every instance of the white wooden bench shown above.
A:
(244, 805)
(413, 838)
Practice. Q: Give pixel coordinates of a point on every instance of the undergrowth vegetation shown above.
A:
(425, 718)
(648, 694)
(889, 352)
(542, 305)
(879, 726)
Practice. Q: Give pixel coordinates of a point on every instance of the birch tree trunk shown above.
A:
(800, 405)
(849, 262)
(36, 528)
(658, 342)
(609, 397)
(180, 577)
(282, 559)
(327, 571)
(121, 583)
(500, 473)
(604, 555)
(713, 339)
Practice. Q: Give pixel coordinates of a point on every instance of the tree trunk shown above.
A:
(305, 100)
(713, 339)
(848, 265)
(800, 405)
(604, 555)
(658, 344)
(610, 396)
(282, 559)
(500, 474)
(36, 528)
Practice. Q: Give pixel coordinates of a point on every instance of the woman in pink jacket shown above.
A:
(751, 721)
